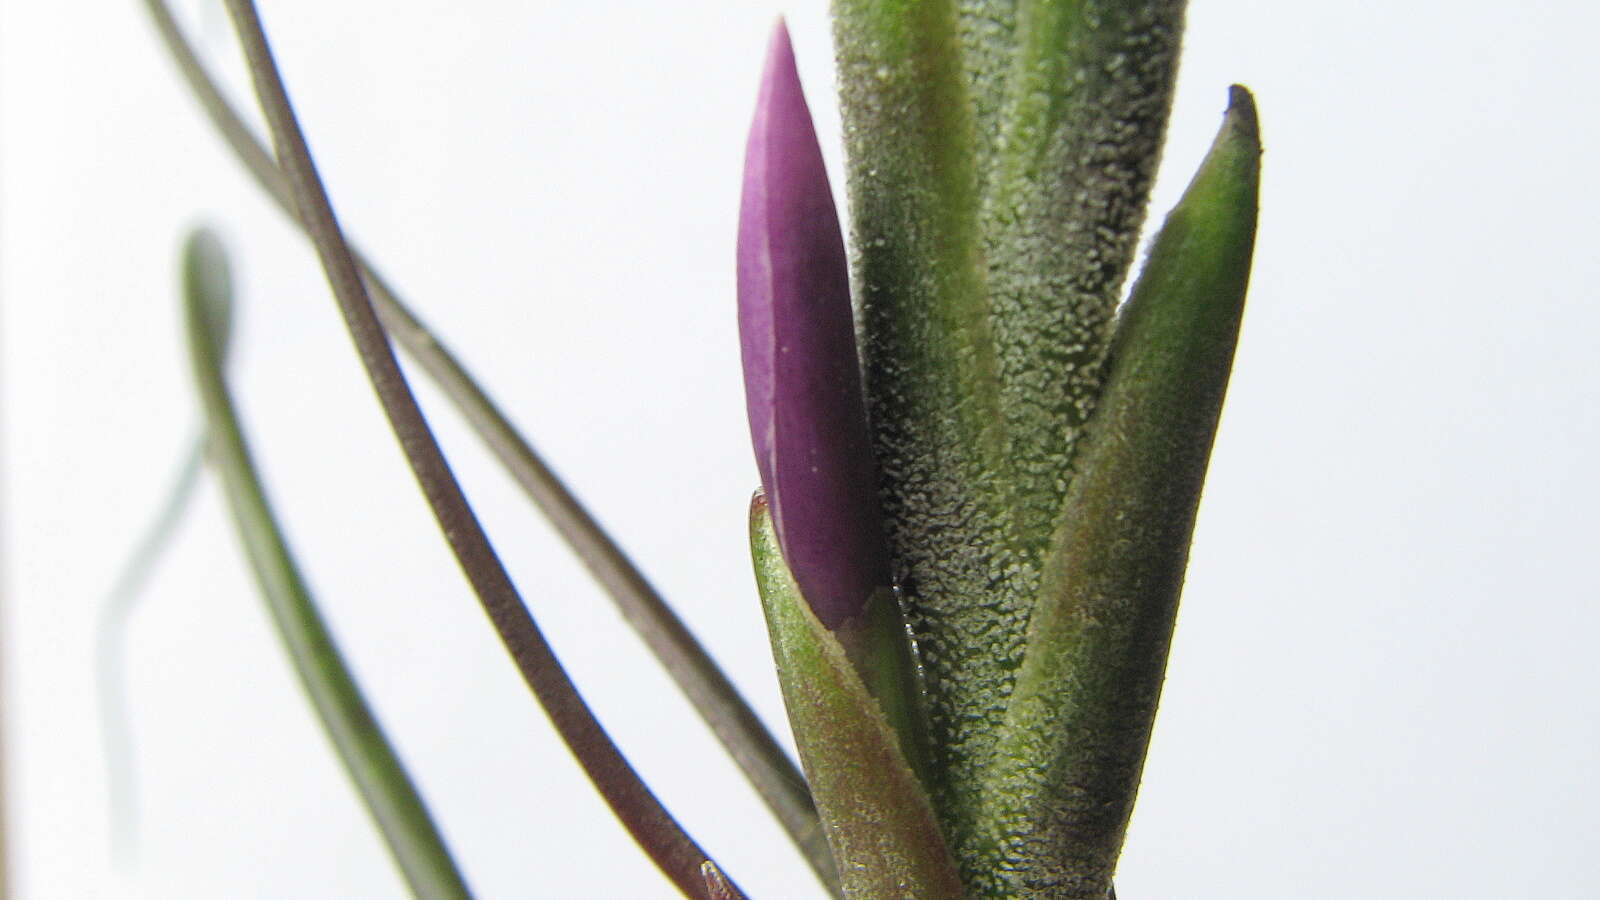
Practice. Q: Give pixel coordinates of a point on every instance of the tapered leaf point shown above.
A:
(718, 887)
(1241, 112)
(797, 338)
(1236, 148)
(206, 270)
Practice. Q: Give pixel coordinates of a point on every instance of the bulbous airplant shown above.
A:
(1041, 456)
(972, 524)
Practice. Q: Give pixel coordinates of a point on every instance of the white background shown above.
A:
(1383, 682)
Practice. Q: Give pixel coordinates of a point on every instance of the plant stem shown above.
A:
(753, 748)
(657, 833)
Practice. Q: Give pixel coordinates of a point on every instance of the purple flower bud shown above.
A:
(802, 377)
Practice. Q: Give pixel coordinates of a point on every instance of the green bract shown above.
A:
(876, 811)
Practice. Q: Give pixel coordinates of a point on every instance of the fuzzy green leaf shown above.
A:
(1076, 140)
(988, 31)
(929, 369)
(877, 815)
(1068, 763)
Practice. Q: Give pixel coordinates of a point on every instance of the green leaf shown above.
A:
(657, 833)
(879, 819)
(929, 368)
(988, 50)
(1080, 124)
(379, 776)
(111, 632)
(713, 696)
(1068, 764)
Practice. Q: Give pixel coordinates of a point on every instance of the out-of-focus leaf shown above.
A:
(379, 776)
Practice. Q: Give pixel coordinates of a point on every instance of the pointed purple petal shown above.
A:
(802, 381)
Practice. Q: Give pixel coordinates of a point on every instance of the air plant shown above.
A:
(979, 466)
(1041, 458)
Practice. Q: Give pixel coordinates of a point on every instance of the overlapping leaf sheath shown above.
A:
(932, 389)
(1000, 156)
(1067, 766)
(838, 636)
(1077, 138)
(878, 816)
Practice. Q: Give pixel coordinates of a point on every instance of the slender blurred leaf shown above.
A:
(379, 776)
(111, 633)
(753, 748)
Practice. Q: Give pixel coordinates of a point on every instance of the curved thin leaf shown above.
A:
(736, 726)
(657, 833)
(110, 635)
(378, 774)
